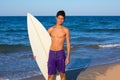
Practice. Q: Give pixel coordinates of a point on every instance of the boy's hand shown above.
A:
(67, 60)
(34, 57)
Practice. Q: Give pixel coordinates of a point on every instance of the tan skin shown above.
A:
(59, 34)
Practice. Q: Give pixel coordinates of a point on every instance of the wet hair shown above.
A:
(61, 12)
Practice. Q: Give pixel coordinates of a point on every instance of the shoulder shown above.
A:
(50, 29)
(66, 29)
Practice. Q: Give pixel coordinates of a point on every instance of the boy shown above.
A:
(57, 59)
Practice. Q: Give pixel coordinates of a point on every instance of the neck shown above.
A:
(58, 25)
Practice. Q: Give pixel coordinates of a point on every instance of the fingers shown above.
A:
(34, 57)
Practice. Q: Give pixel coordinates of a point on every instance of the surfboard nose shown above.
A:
(28, 14)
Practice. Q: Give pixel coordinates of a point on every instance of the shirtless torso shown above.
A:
(58, 36)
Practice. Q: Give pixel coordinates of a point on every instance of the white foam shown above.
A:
(4, 79)
(110, 46)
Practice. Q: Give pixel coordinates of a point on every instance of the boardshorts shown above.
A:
(56, 62)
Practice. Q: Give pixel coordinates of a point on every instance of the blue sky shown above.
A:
(50, 7)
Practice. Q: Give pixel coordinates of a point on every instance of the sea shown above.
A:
(95, 40)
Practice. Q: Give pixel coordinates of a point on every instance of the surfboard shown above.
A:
(40, 42)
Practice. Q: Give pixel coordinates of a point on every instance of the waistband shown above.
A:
(57, 50)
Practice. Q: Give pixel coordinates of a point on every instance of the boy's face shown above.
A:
(60, 19)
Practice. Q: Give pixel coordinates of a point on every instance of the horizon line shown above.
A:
(55, 15)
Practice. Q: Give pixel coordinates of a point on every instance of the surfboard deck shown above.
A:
(40, 42)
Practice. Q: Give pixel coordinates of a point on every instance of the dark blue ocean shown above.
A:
(95, 40)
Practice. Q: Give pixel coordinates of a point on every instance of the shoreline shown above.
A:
(98, 72)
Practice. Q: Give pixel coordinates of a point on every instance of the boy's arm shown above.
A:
(49, 30)
(68, 46)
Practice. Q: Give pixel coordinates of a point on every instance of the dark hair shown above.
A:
(61, 12)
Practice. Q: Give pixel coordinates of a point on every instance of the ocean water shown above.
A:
(95, 40)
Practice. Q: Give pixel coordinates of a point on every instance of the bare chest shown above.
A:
(58, 33)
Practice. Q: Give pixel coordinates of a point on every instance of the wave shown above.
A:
(110, 46)
(5, 48)
(102, 30)
(86, 30)
(103, 46)
(13, 30)
(19, 75)
(95, 46)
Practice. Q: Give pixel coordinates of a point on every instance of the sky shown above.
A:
(50, 7)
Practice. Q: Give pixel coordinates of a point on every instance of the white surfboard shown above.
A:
(40, 41)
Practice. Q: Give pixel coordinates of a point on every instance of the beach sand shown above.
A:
(100, 72)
